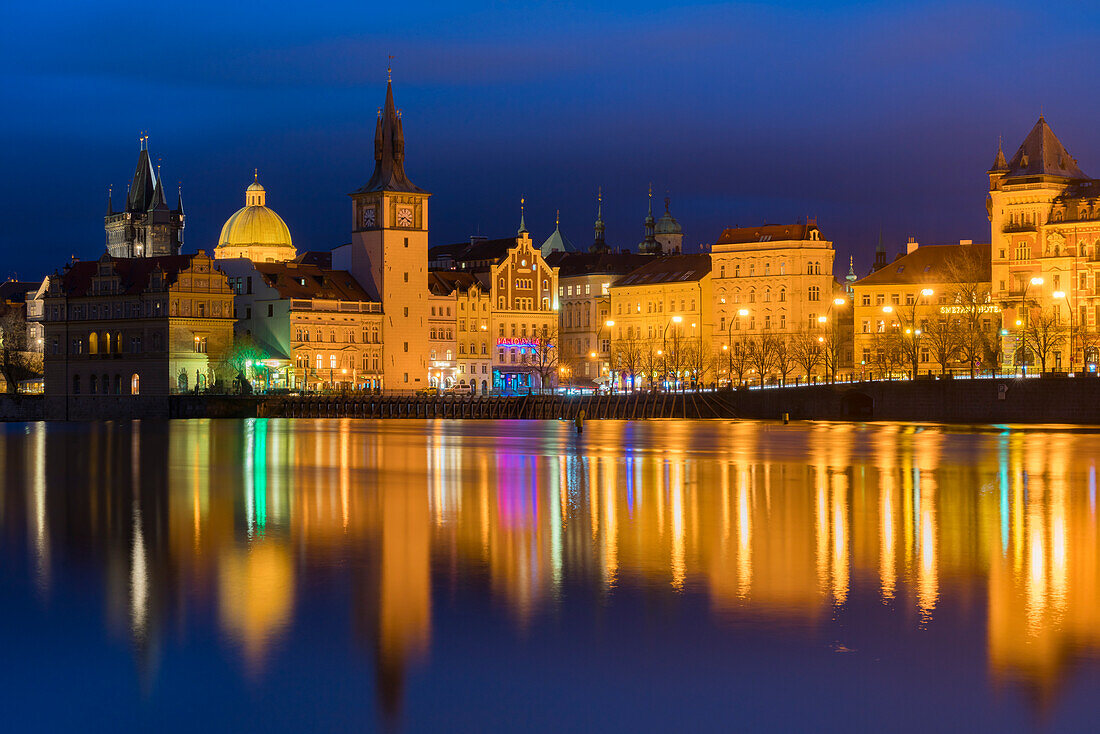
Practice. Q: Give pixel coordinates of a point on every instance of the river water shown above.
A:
(343, 575)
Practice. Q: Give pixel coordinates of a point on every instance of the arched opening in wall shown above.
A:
(105, 384)
(484, 387)
(857, 405)
(181, 381)
(118, 384)
(76, 384)
(118, 342)
(93, 343)
(135, 384)
(107, 342)
(92, 385)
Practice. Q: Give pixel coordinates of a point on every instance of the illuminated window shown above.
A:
(135, 384)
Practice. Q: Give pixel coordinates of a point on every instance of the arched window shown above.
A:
(782, 296)
(181, 381)
(135, 384)
(752, 296)
(107, 343)
(93, 343)
(767, 295)
(118, 341)
(92, 385)
(105, 385)
(118, 384)
(76, 384)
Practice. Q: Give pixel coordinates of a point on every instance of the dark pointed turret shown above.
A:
(157, 203)
(110, 202)
(999, 162)
(599, 244)
(144, 181)
(522, 225)
(880, 254)
(389, 152)
(179, 199)
(650, 245)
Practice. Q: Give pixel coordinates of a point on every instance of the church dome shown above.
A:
(255, 227)
(667, 224)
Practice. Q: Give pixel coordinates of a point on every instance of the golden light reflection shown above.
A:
(770, 524)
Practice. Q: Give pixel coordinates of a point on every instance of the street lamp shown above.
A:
(664, 345)
(1037, 281)
(1061, 296)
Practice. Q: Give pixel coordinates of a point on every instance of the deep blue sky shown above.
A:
(868, 115)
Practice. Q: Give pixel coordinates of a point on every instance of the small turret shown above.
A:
(599, 244)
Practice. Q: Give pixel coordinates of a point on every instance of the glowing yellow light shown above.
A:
(927, 292)
(743, 312)
(677, 319)
(609, 323)
(887, 309)
(1036, 281)
(1059, 294)
(839, 301)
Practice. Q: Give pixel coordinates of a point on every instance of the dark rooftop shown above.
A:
(669, 269)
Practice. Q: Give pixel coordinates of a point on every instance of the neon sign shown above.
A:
(511, 341)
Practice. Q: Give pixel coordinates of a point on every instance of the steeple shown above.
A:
(649, 245)
(599, 244)
(389, 151)
(179, 198)
(880, 254)
(851, 276)
(110, 203)
(157, 202)
(999, 163)
(522, 225)
(144, 181)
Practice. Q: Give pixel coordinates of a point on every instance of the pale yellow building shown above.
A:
(774, 278)
(255, 231)
(909, 315)
(664, 324)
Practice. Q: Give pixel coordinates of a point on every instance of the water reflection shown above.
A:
(777, 526)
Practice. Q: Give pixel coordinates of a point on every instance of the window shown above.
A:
(814, 293)
(406, 277)
(76, 384)
(320, 360)
(135, 384)
(866, 326)
(200, 345)
(865, 300)
(270, 310)
(406, 346)
(332, 361)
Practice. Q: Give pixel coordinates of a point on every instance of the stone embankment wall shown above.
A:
(1010, 400)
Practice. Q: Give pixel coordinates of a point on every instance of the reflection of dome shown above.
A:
(255, 231)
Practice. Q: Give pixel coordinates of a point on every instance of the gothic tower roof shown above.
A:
(389, 152)
(599, 243)
(1042, 154)
(999, 162)
(144, 182)
(557, 241)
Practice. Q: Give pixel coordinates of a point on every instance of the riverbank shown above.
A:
(1059, 399)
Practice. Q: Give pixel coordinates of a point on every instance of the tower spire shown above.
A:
(179, 197)
(522, 225)
(598, 243)
(110, 203)
(389, 149)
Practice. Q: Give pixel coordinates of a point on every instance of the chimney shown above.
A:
(911, 245)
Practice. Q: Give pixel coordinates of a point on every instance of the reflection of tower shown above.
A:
(395, 608)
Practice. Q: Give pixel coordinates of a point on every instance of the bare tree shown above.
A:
(651, 364)
(808, 348)
(544, 354)
(887, 352)
(784, 356)
(1044, 334)
(941, 336)
(970, 301)
(18, 360)
(626, 358)
(700, 361)
(761, 354)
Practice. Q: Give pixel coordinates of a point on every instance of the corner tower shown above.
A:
(146, 227)
(389, 252)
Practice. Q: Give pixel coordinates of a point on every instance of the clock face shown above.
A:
(368, 216)
(404, 216)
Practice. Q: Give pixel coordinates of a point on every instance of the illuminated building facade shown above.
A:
(921, 308)
(313, 327)
(460, 319)
(1044, 217)
(119, 330)
(255, 231)
(145, 227)
(663, 316)
(775, 278)
(584, 297)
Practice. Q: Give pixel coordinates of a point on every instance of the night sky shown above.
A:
(869, 116)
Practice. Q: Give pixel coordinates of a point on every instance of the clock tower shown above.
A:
(389, 253)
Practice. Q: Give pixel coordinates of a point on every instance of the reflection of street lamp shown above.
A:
(664, 344)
